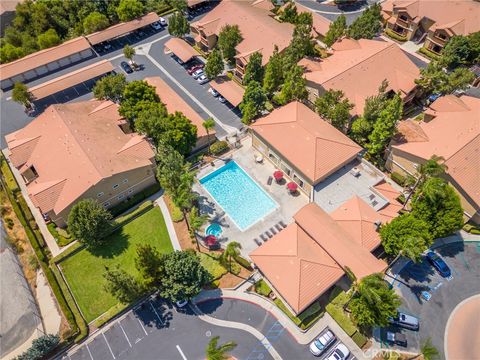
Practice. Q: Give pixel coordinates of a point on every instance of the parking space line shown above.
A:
(155, 311)
(89, 353)
(109, 348)
(181, 353)
(142, 327)
(124, 333)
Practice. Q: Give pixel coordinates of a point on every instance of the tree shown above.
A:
(273, 73)
(214, 66)
(231, 251)
(333, 107)
(178, 24)
(374, 302)
(180, 5)
(121, 285)
(179, 132)
(128, 52)
(336, 30)
(294, 87)
(21, 95)
(41, 347)
(48, 39)
(94, 21)
(458, 79)
(254, 69)
(434, 79)
(406, 235)
(8, 53)
(289, 13)
(89, 222)
(196, 221)
(184, 276)
(428, 351)
(208, 125)
(384, 128)
(216, 352)
(460, 50)
(302, 43)
(228, 39)
(150, 121)
(437, 203)
(110, 87)
(150, 264)
(135, 95)
(367, 25)
(253, 102)
(130, 9)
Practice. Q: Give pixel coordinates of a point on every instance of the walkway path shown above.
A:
(168, 221)
(302, 337)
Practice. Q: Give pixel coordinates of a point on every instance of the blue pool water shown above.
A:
(239, 196)
(214, 229)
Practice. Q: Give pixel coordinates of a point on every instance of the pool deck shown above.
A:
(288, 205)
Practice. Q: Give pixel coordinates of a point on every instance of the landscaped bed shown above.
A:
(84, 270)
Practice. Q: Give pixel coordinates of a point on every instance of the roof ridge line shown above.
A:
(57, 183)
(461, 148)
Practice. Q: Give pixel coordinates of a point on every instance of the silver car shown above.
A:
(203, 79)
(340, 352)
(319, 345)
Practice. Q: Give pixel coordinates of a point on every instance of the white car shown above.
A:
(213, 92)
(203, 79)
(197, 73)
(319, 345)
(162, 21)
(157, 25)
(181, 303)
(222, 99)
(340, 352)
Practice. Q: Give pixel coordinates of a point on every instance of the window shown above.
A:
(115, 186)
(130, 191)
(106, 204)
(298, 180)
(286, 169)
(441, 36)
(100, 194)
(125, 181)
(404, 17)
(273, 157)
(120, 197)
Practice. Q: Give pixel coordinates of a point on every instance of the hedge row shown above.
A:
(135, 199)
(243, 262)
(359, 339)
(392, 34)
(429, 54)
(399, 179)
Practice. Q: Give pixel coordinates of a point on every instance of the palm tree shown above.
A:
(196, 222)
(209, 124)
(434, 167)
(216, 352)
(21, 95)
(428, 351)
(129, 52)
(232, 250)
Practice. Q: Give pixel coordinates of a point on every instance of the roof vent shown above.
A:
(378, 223)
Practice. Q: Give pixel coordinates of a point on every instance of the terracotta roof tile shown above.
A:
(181, 48)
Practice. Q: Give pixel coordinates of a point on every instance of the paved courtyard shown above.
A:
(288, 205)
(463, 258)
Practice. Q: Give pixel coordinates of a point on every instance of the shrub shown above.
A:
(392, 34)
(122, 220)
(219, 147)
(399, 179)
(338, 299)
(40, 348)
(471, 228)
(177, 214)
(429, 54)
(135, 199)
(262, 288)
(9, 223)
(62, 236)
(243, 262)
(359, 339)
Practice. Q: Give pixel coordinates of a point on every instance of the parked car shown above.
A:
(396, 338)
(213, 92)
(405, 321)
(439, 264)
(197, 73)
(319, 345)
(162, 21)
(222, 99)
(203, 79)
(177, 59)
(157, 26)
(127, 68)
(340, 352)
(181, 303)
(194, 68)
(107, 46)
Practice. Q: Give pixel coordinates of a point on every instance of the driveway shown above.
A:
(156, 331)
(463, 258)
(331, 11)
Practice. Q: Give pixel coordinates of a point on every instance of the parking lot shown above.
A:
(463, 258)
(158, 331)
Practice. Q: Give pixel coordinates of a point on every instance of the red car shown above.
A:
(194, 68)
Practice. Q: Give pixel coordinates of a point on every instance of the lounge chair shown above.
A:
(274, 232)
(258, 242)
(283, 224)
(268, 234)
(279, 228)
(269, 181)
(263, 237)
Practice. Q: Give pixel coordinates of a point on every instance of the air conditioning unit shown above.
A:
(355, 172)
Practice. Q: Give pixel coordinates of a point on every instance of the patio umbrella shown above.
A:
(211, 240)
(278, 175)
(292, 186)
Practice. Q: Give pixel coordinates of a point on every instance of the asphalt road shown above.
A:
(157, 331)
(332, 11)
(464, 261)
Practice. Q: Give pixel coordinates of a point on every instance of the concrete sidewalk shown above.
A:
(302, 337)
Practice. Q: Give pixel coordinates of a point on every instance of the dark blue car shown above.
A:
(439, 264)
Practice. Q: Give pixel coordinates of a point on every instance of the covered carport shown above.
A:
(122, 29)
(229, 89)
(71, 79)
(181, 49)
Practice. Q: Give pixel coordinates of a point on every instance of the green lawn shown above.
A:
(84, 270)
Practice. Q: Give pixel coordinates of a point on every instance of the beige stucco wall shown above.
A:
(404, 164)
(137, 180)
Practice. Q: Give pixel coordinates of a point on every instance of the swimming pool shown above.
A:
(242, 199)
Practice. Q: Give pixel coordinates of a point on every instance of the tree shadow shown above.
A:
(418, 272)
(115, 244)
(154, 316)
(210, 306)
(417, 290)
(451, 250)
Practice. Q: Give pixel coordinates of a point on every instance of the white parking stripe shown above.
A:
(109, 348)
(124, 333)
(155, 311)
(89, 353)
(142, 327)
(181, 353)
